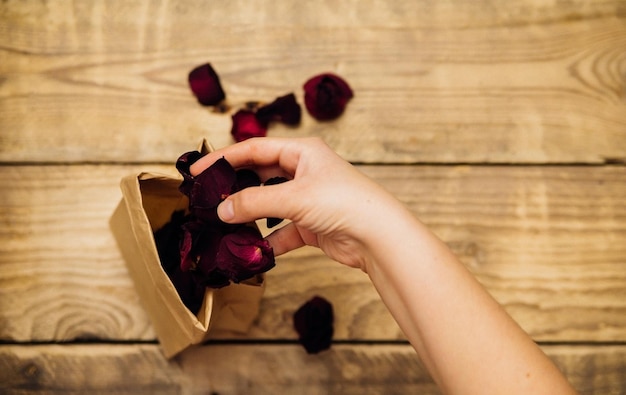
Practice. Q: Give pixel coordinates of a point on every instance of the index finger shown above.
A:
(255, 152)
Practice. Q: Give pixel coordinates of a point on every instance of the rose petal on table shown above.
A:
(314, 323)
(246, 125)
(326, 96)
(205, 85)
(284, 109)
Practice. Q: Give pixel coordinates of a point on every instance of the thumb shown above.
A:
(253, 203)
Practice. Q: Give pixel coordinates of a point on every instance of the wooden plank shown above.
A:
(263, 369)
(548, 242)
(457, 82)
(93, 369)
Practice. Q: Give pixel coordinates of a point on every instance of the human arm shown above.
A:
(466, 340)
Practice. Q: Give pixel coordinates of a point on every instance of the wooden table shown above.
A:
(502, 125)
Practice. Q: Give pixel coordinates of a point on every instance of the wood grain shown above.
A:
(262, 369)
(454, 82)
(462, 107)
(548, 242)
(93, 369)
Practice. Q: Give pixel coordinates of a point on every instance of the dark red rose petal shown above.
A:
(198, 246)
(210, 187)
(183, 164)
(246, 178)
(215, 279)
(246, 125)
(191, 292)
(243, 254)
(326, 96)
(206, 86)
(167, 240)
(190, 231)
(271, 222)
(314, 323)
(284, 109)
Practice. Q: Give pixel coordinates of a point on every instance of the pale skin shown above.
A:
(467, 341)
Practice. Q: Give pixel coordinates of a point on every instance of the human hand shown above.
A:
(331, 204)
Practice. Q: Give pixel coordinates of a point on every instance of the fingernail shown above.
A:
(226, 210)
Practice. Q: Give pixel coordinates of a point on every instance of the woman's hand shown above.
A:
(331, 204)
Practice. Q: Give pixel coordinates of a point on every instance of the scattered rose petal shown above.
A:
(284, 109)
(326, 96)
(246, 125)
(243, 254)
(271, 222)
(314, 323)
(205, 85)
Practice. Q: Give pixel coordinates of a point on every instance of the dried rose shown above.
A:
(205, 85)
(314, 323)
(243, 254)
(284, 109)
(215, 252)
(246, 125)
(271, 221)
(326, 96)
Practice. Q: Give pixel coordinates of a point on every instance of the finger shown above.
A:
(253, 203)
(255, 152)
(285, 239)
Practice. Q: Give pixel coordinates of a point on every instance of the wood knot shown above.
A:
(31, 373)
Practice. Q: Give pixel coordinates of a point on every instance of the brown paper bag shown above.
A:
(147, 204)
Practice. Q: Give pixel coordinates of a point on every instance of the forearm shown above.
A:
(464, 337)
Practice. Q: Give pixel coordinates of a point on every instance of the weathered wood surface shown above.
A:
(548, 242)
(91, 91)
(462, 81)
(263, 369)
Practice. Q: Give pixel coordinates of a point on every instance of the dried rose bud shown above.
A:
(271, 222)
(284, 109)
(246, 125)
(205, 85)
(243, 254)
(314, 323)
(326, 96)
